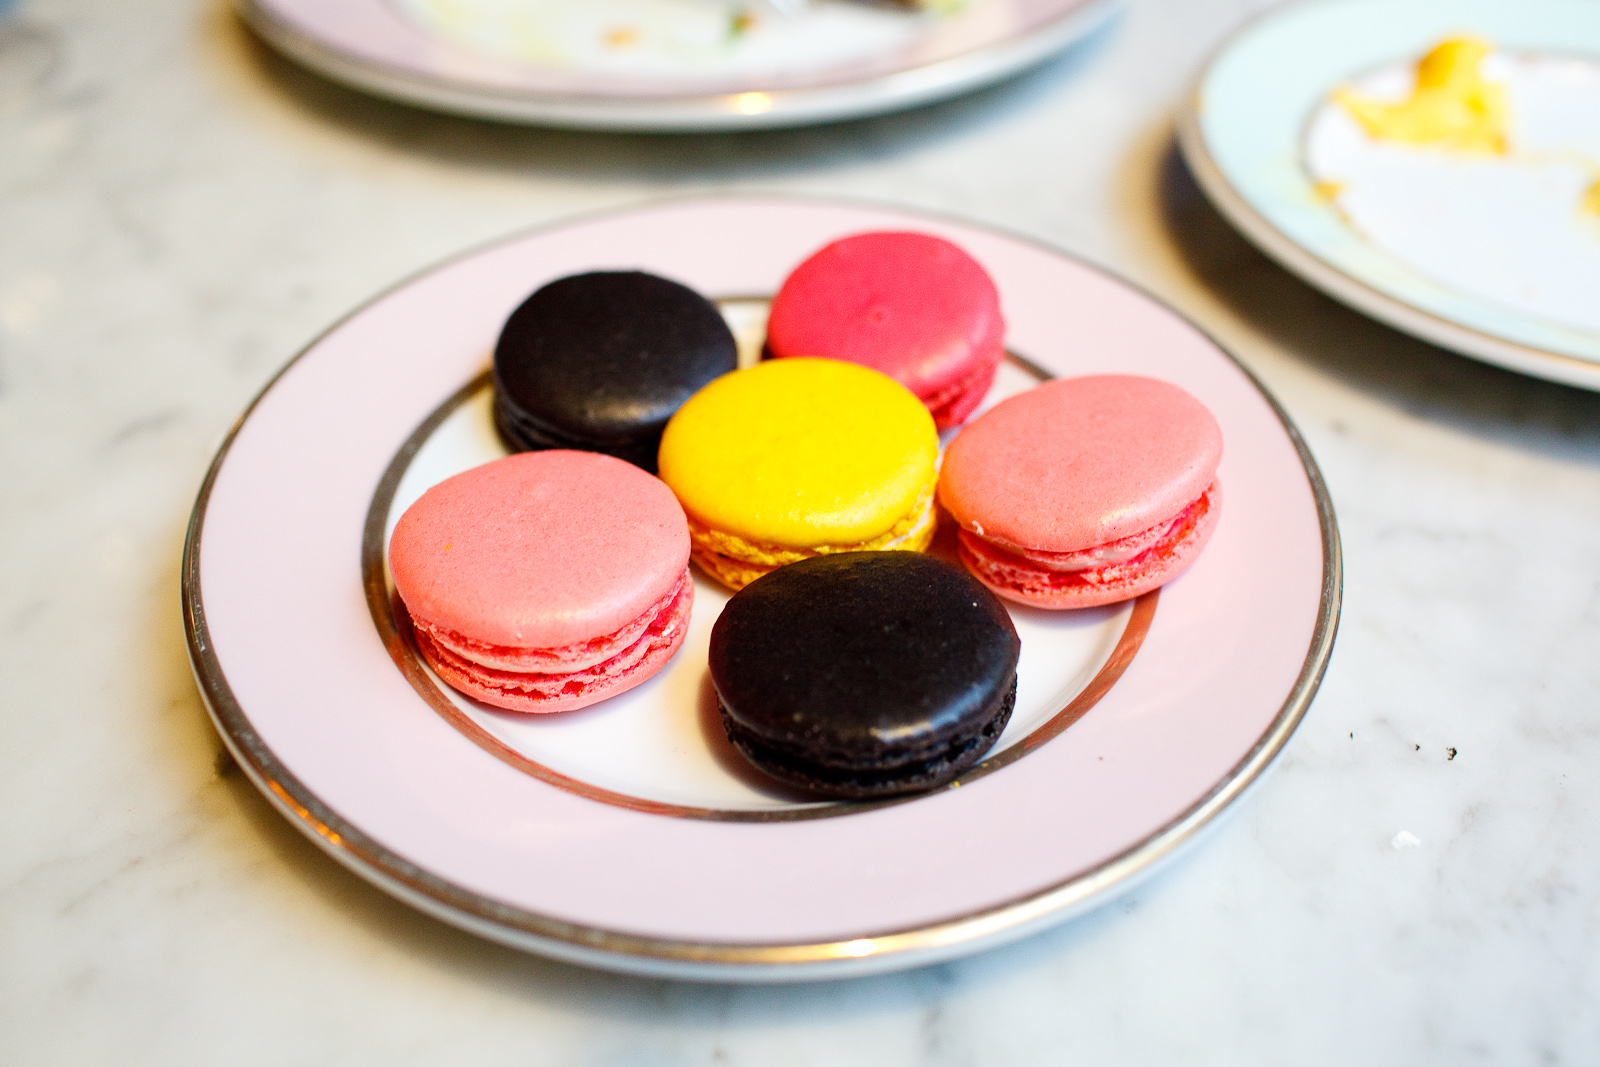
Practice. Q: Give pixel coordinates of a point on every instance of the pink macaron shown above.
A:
(1084, 491)
(911, 305)
(545, 581)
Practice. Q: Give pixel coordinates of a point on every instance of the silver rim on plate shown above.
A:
(723, 111)
(614, 950)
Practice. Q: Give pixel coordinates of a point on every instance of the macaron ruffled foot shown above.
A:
(1106, 574)
(636, 653)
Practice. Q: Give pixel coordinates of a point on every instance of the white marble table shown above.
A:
(1418, 882)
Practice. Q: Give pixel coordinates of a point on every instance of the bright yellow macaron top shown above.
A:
(801, 452)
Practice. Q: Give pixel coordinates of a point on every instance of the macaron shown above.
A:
(545, 581)
(599, 362)
(1084, 491)
(864, 674)
(911, 305)
(795, 458)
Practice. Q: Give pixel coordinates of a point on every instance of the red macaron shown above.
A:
(545, 581)
(910, 305)
(1084, 491)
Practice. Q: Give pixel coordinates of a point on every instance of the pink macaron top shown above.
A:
(911, 305)
(540, 549)
(1078, 462)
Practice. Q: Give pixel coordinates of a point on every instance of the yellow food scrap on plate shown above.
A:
(1590, 204)
(1452, 105)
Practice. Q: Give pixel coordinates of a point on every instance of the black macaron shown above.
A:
(599, 362)
(865, 674)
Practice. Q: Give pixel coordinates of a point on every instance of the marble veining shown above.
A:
(1418, 881)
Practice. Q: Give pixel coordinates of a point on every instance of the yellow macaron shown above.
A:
(794, 458)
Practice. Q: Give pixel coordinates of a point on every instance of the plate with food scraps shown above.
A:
(630, 835)
(672, 64)
(1432, 163)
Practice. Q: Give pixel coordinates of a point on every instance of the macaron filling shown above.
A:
(1099, 574)
(558, 690)
(577, 656)
(737, 561)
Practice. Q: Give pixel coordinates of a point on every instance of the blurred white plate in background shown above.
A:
(1496, 256)
(670, 64)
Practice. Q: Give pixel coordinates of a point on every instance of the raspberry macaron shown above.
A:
(545, 581)
(1084, 491)
(910, 305)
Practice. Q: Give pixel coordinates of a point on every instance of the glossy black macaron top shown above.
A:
(863, 657)
(600, 361)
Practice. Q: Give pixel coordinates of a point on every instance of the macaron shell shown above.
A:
(1019, 580)
(539, 549)
(801, 453)
(1076, 462)
(911, 305)
(543, 693)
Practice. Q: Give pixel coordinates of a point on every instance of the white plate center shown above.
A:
(665, 40)
(1513, 229)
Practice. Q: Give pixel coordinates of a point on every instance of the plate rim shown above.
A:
(743, 961)
(689, 113)
(1325, 276)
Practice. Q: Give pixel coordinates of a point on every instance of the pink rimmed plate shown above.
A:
(627, 836)
(670, 64)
